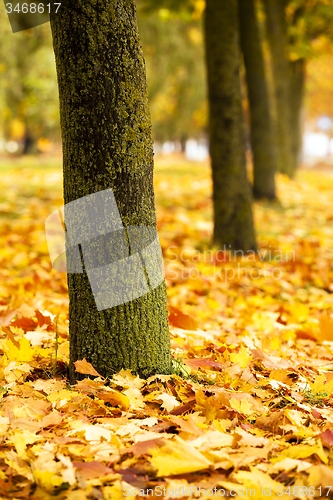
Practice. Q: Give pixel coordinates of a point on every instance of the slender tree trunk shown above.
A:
(29, 142)
(107, 143)
(297, 82)
(262, 140)
(183, 141)
(277, 37)
(233, 221)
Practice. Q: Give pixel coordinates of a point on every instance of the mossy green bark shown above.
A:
(233, 221)
(262, 139)
(277, 36)
(107, 143)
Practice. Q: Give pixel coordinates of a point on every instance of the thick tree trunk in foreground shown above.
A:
(107, 143)
(262, 139)
(277, 37)
(297, 82)
(233, 222)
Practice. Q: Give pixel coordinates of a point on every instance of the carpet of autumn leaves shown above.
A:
(249, 406)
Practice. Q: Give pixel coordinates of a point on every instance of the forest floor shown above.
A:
(248, 411)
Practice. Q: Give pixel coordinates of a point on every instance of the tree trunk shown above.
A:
(262, 139)
(233, 222)
(297, 81)
(277, 37)
(107, 144)
(29, 142)
(183, 141)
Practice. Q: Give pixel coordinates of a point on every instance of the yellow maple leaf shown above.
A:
(259, 481)
(320, 475)
(125, 379)
(242, 358)
(116, 398)
(305, 451)
(21, 439)
(177, 457)
(119, 490)
(299, 311)
(47, 480)
(321, 385)
(295, 417)
(241, 405)
(22, 353)
(61, 397)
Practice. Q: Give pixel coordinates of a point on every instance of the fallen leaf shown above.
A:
(177, 457)
(82, 366)
(327, 438)
(181, 320)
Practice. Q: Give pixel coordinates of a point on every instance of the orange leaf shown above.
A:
(202, 362)
(82, 366)
(181, 320)
(6, 318)
(10, 335)
(24, 323)
(326, 328)
(42, 320)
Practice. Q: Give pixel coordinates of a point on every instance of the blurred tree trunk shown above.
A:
(29, 142)
(277, 37)
(107, 143)
(183, 141)
(261, 131)
(297, 82)
(233, 221)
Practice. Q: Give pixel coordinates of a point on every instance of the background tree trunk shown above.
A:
(29, 143)
(262, 140)
(297, 81)
(107, 143)
(233, 222)
(277, 37)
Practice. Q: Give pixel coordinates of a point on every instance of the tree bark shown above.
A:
(277, 37)
(261, 131)
(297, 82)
(107, 143)
(233, 221)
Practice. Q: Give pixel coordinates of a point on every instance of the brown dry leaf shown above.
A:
(270, 362)
(143, 447)
(92, 470)
(327, 438)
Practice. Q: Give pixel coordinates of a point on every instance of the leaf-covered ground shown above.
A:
(248, 411)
